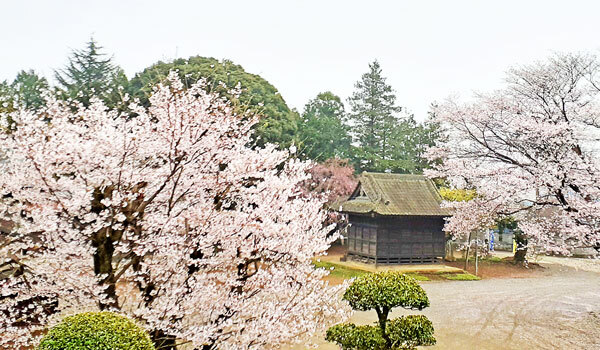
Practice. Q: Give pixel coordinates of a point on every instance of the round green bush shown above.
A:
(96, 331)
(387, 290)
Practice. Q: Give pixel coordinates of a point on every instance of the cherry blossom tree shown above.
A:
(333, 178)
(164, 215)
(528, 151)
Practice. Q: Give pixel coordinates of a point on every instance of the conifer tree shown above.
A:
(373, 118)
(91, 73)
(388, 138)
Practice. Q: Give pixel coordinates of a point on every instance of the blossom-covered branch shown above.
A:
(529, 150)
(164, 214)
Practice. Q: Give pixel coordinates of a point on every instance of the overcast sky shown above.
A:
(428, 49)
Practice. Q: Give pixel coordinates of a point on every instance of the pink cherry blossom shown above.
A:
(166, 215)
(530, 151)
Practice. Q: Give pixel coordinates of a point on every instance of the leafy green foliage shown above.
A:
(26, 91)
(386, 140)
(373, 115)
(96, 331)
(7, 105)
(278, 123)
(408, 332)
(352, 337)
(406, 147)
(405, 333)
(322, 132)
(29, 87)
(457, 194)
(382, 292)
(387, 289)
(89, 74)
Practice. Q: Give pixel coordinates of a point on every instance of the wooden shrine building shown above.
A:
(395, 219)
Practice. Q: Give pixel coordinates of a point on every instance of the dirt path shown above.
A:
(558, 310)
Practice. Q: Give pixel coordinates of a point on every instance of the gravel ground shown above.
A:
(560, 309)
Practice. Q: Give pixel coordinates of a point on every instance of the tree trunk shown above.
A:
(103, 257)
(382, 315)
(521, 252)
(467, 255)
(476, 258)
(163, 341)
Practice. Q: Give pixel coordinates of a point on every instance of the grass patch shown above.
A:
(460, 277)
(339, 270)
(417, 276)
(490, 259)
(343, 272)
(494, 259)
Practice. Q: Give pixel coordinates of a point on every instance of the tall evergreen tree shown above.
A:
(429, 132)
(28, 88)
(408, 143)
(91, 73)
(373, 119)
(321, 132)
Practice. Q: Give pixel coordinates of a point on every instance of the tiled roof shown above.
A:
(395, 194)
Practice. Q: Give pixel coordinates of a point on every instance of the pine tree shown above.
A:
(91, 73)
(373, 119)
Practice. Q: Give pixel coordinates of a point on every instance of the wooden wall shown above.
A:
(396, 240)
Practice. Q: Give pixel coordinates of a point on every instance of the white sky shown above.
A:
(427, 49)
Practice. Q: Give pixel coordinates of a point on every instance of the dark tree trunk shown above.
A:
(468, 252)
(103, 257)
(521, 251)
(163, 341)
(382, 315)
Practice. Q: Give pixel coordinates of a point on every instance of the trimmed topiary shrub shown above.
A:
(96, 331)
(382, 292)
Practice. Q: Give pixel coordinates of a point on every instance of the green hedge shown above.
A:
(405, 333)
(96, 331)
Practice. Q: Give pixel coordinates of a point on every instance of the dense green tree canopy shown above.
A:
(386, 139)
(90, 73)
(96, 331)
(382, 292)
(28, 88)
(278, 123)
(321, 132)
(386, 290)
(26, 91)
(374, 117)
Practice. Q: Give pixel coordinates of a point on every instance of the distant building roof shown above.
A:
(395, 194)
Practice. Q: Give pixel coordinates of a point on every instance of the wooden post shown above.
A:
(476, 256)
(467, 255)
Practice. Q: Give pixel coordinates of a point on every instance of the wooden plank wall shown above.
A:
(396, 240)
